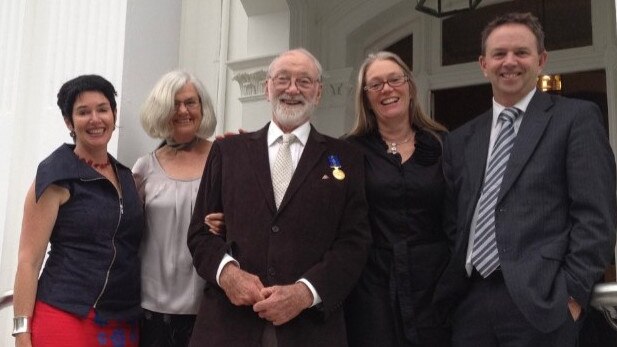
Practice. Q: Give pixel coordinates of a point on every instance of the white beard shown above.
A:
(292, 116)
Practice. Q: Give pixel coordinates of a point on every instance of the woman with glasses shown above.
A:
(83, 203)
(178, 111)
(391, 304)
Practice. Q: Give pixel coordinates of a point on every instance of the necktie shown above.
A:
(282, 169)
(484, 256)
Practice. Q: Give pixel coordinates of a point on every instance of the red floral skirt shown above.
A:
(53, 327)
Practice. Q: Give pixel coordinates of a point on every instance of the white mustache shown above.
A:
(287, 97)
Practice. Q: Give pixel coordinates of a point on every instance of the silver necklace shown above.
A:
(392, 146)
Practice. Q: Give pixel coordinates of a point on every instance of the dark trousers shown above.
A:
(165, 330)
(488, 317)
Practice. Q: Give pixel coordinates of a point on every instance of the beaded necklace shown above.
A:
(95, 165)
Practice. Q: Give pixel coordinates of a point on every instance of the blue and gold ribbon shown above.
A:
(335, 164)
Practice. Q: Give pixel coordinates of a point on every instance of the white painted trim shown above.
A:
(250, 63)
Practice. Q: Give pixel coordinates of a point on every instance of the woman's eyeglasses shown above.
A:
(395, 81)
(190, 104)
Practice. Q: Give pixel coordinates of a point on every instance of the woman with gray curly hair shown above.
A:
(178, 111)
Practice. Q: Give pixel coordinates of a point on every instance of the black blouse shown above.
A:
(404, 199)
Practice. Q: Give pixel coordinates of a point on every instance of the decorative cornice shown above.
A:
(251, 74)
(251, 83)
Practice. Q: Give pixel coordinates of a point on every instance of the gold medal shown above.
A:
(338, 174)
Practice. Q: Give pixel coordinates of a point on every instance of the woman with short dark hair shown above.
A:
(83, 203)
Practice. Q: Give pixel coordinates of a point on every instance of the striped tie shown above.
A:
(485, 257)
(282, 170)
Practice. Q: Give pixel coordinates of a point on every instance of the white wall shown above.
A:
(268, 33)
(204, 48)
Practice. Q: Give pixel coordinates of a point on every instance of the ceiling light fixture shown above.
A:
(439, 10)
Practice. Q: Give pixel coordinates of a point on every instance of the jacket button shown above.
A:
(271, 272)
(275, 229)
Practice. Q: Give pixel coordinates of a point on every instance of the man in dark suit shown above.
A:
(531, 203)
(279, 273)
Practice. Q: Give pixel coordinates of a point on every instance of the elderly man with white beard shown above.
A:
(296, 230)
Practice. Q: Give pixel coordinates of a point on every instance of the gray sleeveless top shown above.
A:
(169, 283)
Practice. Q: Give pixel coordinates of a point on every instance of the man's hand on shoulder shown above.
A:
(241, 287)
(283, 303)
(230, 134)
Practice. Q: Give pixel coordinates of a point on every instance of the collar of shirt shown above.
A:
(296, 148)
(496, 126)
(521, 105)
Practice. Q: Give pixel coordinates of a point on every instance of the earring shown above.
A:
(72, 134)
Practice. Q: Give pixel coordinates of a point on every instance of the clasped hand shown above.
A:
(277, 304)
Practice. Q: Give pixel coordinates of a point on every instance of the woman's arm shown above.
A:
(37, 224)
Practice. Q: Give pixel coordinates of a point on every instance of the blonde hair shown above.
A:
(158, 109)
(366, 121)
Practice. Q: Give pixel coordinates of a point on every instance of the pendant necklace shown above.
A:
(392, 146)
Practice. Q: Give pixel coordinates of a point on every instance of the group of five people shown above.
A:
(399, 234)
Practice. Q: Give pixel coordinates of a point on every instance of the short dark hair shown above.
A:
(84, 83)
(526, 19)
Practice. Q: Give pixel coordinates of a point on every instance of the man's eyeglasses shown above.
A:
(190, 104)
(395, 81)
(283, 82)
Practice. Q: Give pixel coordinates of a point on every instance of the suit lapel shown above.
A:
(532, 127)
(257, 147)
(476, 152)
(315, 147)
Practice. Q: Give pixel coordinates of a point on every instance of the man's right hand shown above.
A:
(229, 134)
(241, 287)
(215, 223)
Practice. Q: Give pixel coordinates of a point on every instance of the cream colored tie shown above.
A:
(282, 169)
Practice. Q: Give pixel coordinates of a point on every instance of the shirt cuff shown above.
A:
(226, 259)
(316, 297)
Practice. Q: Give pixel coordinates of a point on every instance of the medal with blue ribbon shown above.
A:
(335, 164)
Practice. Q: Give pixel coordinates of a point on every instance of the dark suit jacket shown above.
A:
(556, 212)
(320, 233)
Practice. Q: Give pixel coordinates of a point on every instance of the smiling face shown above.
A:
(512, 62)
(389, 104)
(93, 121)
(186, 119)
(294, 90)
